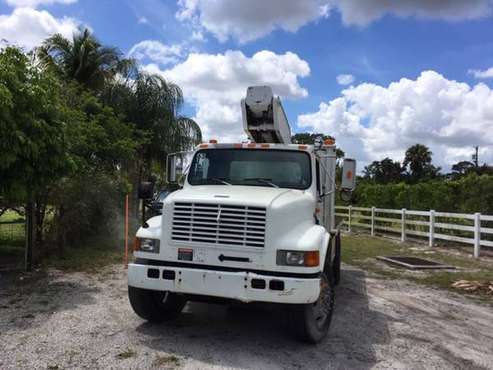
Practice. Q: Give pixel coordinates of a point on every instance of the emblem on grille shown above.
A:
(218, 215)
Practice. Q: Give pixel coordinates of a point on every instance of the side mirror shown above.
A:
(172, 169)
(348, 182)
(146, 190)
(176, 167)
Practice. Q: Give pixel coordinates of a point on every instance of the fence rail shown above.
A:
(457, 227)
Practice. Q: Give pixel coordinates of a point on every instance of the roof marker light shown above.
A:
(252, 145)
(265, 145)
(204, 145)
(213, 141)
(302, 147)
(329, 142)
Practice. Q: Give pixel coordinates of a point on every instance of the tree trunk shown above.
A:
(30, 235)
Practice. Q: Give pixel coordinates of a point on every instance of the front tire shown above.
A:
(312, 321)
(155, 306)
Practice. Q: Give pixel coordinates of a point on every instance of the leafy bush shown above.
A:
(468, 194)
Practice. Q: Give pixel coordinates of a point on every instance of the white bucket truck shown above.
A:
(253, 222)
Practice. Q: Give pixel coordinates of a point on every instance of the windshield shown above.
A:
(270, 168)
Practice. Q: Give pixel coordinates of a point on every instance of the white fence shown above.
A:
(457, 227)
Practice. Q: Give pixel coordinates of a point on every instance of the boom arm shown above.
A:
(264, 120)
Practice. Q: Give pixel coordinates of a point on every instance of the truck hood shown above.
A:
(258, 196)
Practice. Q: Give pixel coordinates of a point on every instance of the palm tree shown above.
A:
(152, 104)
(418, 158)
(82, 59)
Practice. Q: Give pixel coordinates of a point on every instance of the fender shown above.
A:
(332, 243)
(326, 253)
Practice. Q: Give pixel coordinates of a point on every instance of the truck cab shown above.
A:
(253, 222)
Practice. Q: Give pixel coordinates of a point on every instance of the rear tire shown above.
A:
(155, 306)
(312, 321)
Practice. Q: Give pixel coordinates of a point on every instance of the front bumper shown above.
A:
(225, 284)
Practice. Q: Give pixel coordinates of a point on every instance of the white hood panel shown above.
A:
(257, 196)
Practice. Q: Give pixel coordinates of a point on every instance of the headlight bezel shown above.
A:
(147, 245)
(297, 258)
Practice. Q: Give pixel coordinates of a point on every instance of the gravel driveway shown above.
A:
(56, 320)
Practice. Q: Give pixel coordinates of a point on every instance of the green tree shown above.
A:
(33, 145)
(309, 139)
(462, 168)
(82, 59)
(152, 104)
(418, 162)
(384, 171)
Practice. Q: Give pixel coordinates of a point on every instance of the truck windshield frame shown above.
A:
(291, 169)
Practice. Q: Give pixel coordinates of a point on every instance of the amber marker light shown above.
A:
(312, 258)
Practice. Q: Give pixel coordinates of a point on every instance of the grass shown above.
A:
(91, 257)
(362, 250)
(11, 238)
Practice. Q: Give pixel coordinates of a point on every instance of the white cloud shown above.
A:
(246, 20)
(357, 12)
(372, 121)
(36, 3)
(28, 27)
(215, 83)
(156, 52)
(142, 20)
(488, 73)
(345, 79)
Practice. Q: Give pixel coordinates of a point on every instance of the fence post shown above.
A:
(372, 221)
(432, 228)
(477, 234)
(349, 220)
(403, 225)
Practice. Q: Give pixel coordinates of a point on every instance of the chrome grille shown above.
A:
(219, 224)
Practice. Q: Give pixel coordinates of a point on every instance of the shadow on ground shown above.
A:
(261, 337)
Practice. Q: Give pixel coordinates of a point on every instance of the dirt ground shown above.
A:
(61, 320)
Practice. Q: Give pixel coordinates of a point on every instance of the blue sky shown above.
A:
(208, 48)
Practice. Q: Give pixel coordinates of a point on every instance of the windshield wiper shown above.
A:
(262, 180)
(218, 179)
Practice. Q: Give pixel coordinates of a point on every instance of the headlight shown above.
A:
(147, 245)
(298, 258)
